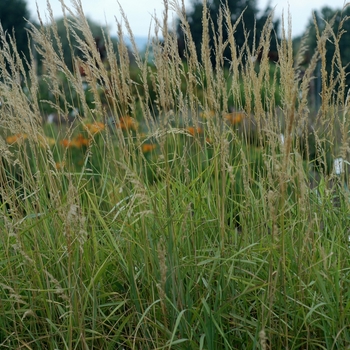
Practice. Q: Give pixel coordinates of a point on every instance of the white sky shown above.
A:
(139, 12)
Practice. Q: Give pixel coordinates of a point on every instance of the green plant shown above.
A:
(181, 226)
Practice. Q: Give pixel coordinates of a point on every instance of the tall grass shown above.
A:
(174, 224)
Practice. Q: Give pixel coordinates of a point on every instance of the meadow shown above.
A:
(198, 204)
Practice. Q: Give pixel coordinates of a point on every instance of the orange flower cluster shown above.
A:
(43, 140)
(207, 114)
(94, 128)
(60, 165)
(77, 142)
(15, 138)
(127, 123)
(148, 147)
(194, 131)
(234, 118)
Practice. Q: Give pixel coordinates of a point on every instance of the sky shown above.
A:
(140, 12)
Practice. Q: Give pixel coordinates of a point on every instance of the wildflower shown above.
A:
(51, 141)
(95, 128)
(15, 138)
(207, 114)
(194, 131)
(80, 141)
(234, 118)
(148, 147)
(127, 123)
(76, 142)
(60, 165)
(45, 140)
(65, 143)
(208, 141)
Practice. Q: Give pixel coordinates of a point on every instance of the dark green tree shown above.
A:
(245, 29)
(13, 15)
(68, 38)
(338, 36)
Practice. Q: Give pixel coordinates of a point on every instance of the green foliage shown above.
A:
(243, 13)
(70, 43)
(13, 15)
(335, 24)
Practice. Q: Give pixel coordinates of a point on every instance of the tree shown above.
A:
(13, 15)
(96, 30)
(340, 36)
(250, 19)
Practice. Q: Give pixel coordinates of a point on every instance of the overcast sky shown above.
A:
(139, 12)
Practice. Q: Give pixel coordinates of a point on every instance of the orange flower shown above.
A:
(66, 143)
(15, 138)
(77, 142)
(60, 165)
(193, 131)
(127, 123)
(207, 114)
(43, 140)
(148, 147)
(94, 128)
(80, 141)
(208, 141)
(234, 118)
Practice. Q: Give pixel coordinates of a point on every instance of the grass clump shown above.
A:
(171, 220)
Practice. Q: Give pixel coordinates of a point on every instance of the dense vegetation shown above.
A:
(13, 15)
(245, 14)
(149, 214)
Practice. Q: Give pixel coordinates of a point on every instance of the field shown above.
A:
(198, 204)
